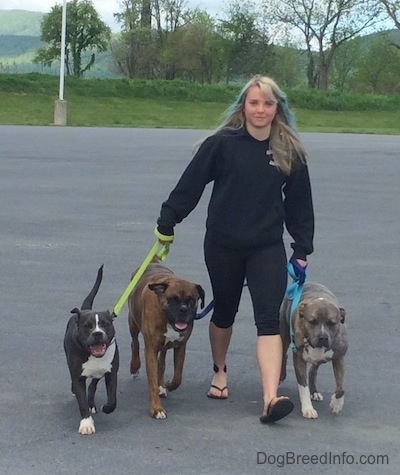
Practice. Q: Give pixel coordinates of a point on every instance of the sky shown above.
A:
(105, 8)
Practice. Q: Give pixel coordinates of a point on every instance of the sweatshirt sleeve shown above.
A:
(202, 169)
(299, 212)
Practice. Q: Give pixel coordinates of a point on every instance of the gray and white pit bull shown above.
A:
(319, 336)
(91, 352)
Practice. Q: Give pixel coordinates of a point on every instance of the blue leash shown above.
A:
(293, 293)
(208, 309)
(205, 311)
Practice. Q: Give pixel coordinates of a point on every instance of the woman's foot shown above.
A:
(278, 408)
(218, 388)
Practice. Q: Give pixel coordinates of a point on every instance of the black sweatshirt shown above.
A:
(251, 198)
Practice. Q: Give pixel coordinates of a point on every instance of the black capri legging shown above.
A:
(265, 272)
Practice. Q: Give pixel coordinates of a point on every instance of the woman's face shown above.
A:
(259, 111)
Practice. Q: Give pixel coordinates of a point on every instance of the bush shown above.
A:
(178, 90)
(338, 101)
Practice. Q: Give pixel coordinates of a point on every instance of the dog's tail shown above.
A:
(88, 302)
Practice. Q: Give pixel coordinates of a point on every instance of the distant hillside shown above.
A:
(20, 23)
(20, 39)
(13, 45)
(393, 35)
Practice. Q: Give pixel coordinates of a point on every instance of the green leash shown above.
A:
(161, 251)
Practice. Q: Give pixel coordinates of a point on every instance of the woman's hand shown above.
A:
(299, 267)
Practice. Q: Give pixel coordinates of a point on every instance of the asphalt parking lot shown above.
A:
(75, 198)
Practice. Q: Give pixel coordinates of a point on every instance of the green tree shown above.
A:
(287, 67)
(85, 32)
(134, 52)
(195, 49)
(146, 26)
(379, 67)
(245, 43)
(344, 65)
(325, 26)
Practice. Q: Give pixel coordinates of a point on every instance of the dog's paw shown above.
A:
(336, 404)
(172, 385)
(86, 426)
(135, 374)
(109, 408)
(159, 414)
(317, 397)
(162, 391)
(310, 413)
(307, 408)
(134, 368)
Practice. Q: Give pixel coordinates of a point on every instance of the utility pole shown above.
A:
(60, 109)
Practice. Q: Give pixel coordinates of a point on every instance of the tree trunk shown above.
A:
(145, 20)
(311, 70)
(323, 77)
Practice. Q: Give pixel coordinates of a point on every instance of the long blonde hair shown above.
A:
(284, 141)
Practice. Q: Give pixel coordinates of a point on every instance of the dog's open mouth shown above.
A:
(180, 326)
(98, 350)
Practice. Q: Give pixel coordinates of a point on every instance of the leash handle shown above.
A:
(159, 250)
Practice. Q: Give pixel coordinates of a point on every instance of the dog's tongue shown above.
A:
(98, 350)
(181, 326)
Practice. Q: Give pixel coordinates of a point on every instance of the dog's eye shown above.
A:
(88, 325)
(191, 303)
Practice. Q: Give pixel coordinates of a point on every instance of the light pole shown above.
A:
(60, 109)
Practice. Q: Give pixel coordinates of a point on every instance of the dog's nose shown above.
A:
(97, 335)
(323, 340)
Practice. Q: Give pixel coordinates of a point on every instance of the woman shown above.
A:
(260, 183)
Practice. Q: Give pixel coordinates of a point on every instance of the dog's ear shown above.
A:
(75, 310)
(110, 314)
(342, 314)
(202, 294)
(301, 308)
(158, 288)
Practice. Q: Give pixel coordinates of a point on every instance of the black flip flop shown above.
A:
(211, 396)
(278, 408)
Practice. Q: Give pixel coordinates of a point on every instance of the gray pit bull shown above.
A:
(319, 336)
(91, 352)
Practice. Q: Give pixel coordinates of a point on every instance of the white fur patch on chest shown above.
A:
(172, 335)
(98, 367)
(317, 355)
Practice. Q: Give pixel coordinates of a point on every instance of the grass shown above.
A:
(30, 100)
(110, 112)
(38, 109)
(360, 122)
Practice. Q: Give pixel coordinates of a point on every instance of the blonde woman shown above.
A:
(260, 184)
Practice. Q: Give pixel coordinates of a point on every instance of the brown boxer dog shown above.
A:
(319, 336)
(162, 307)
